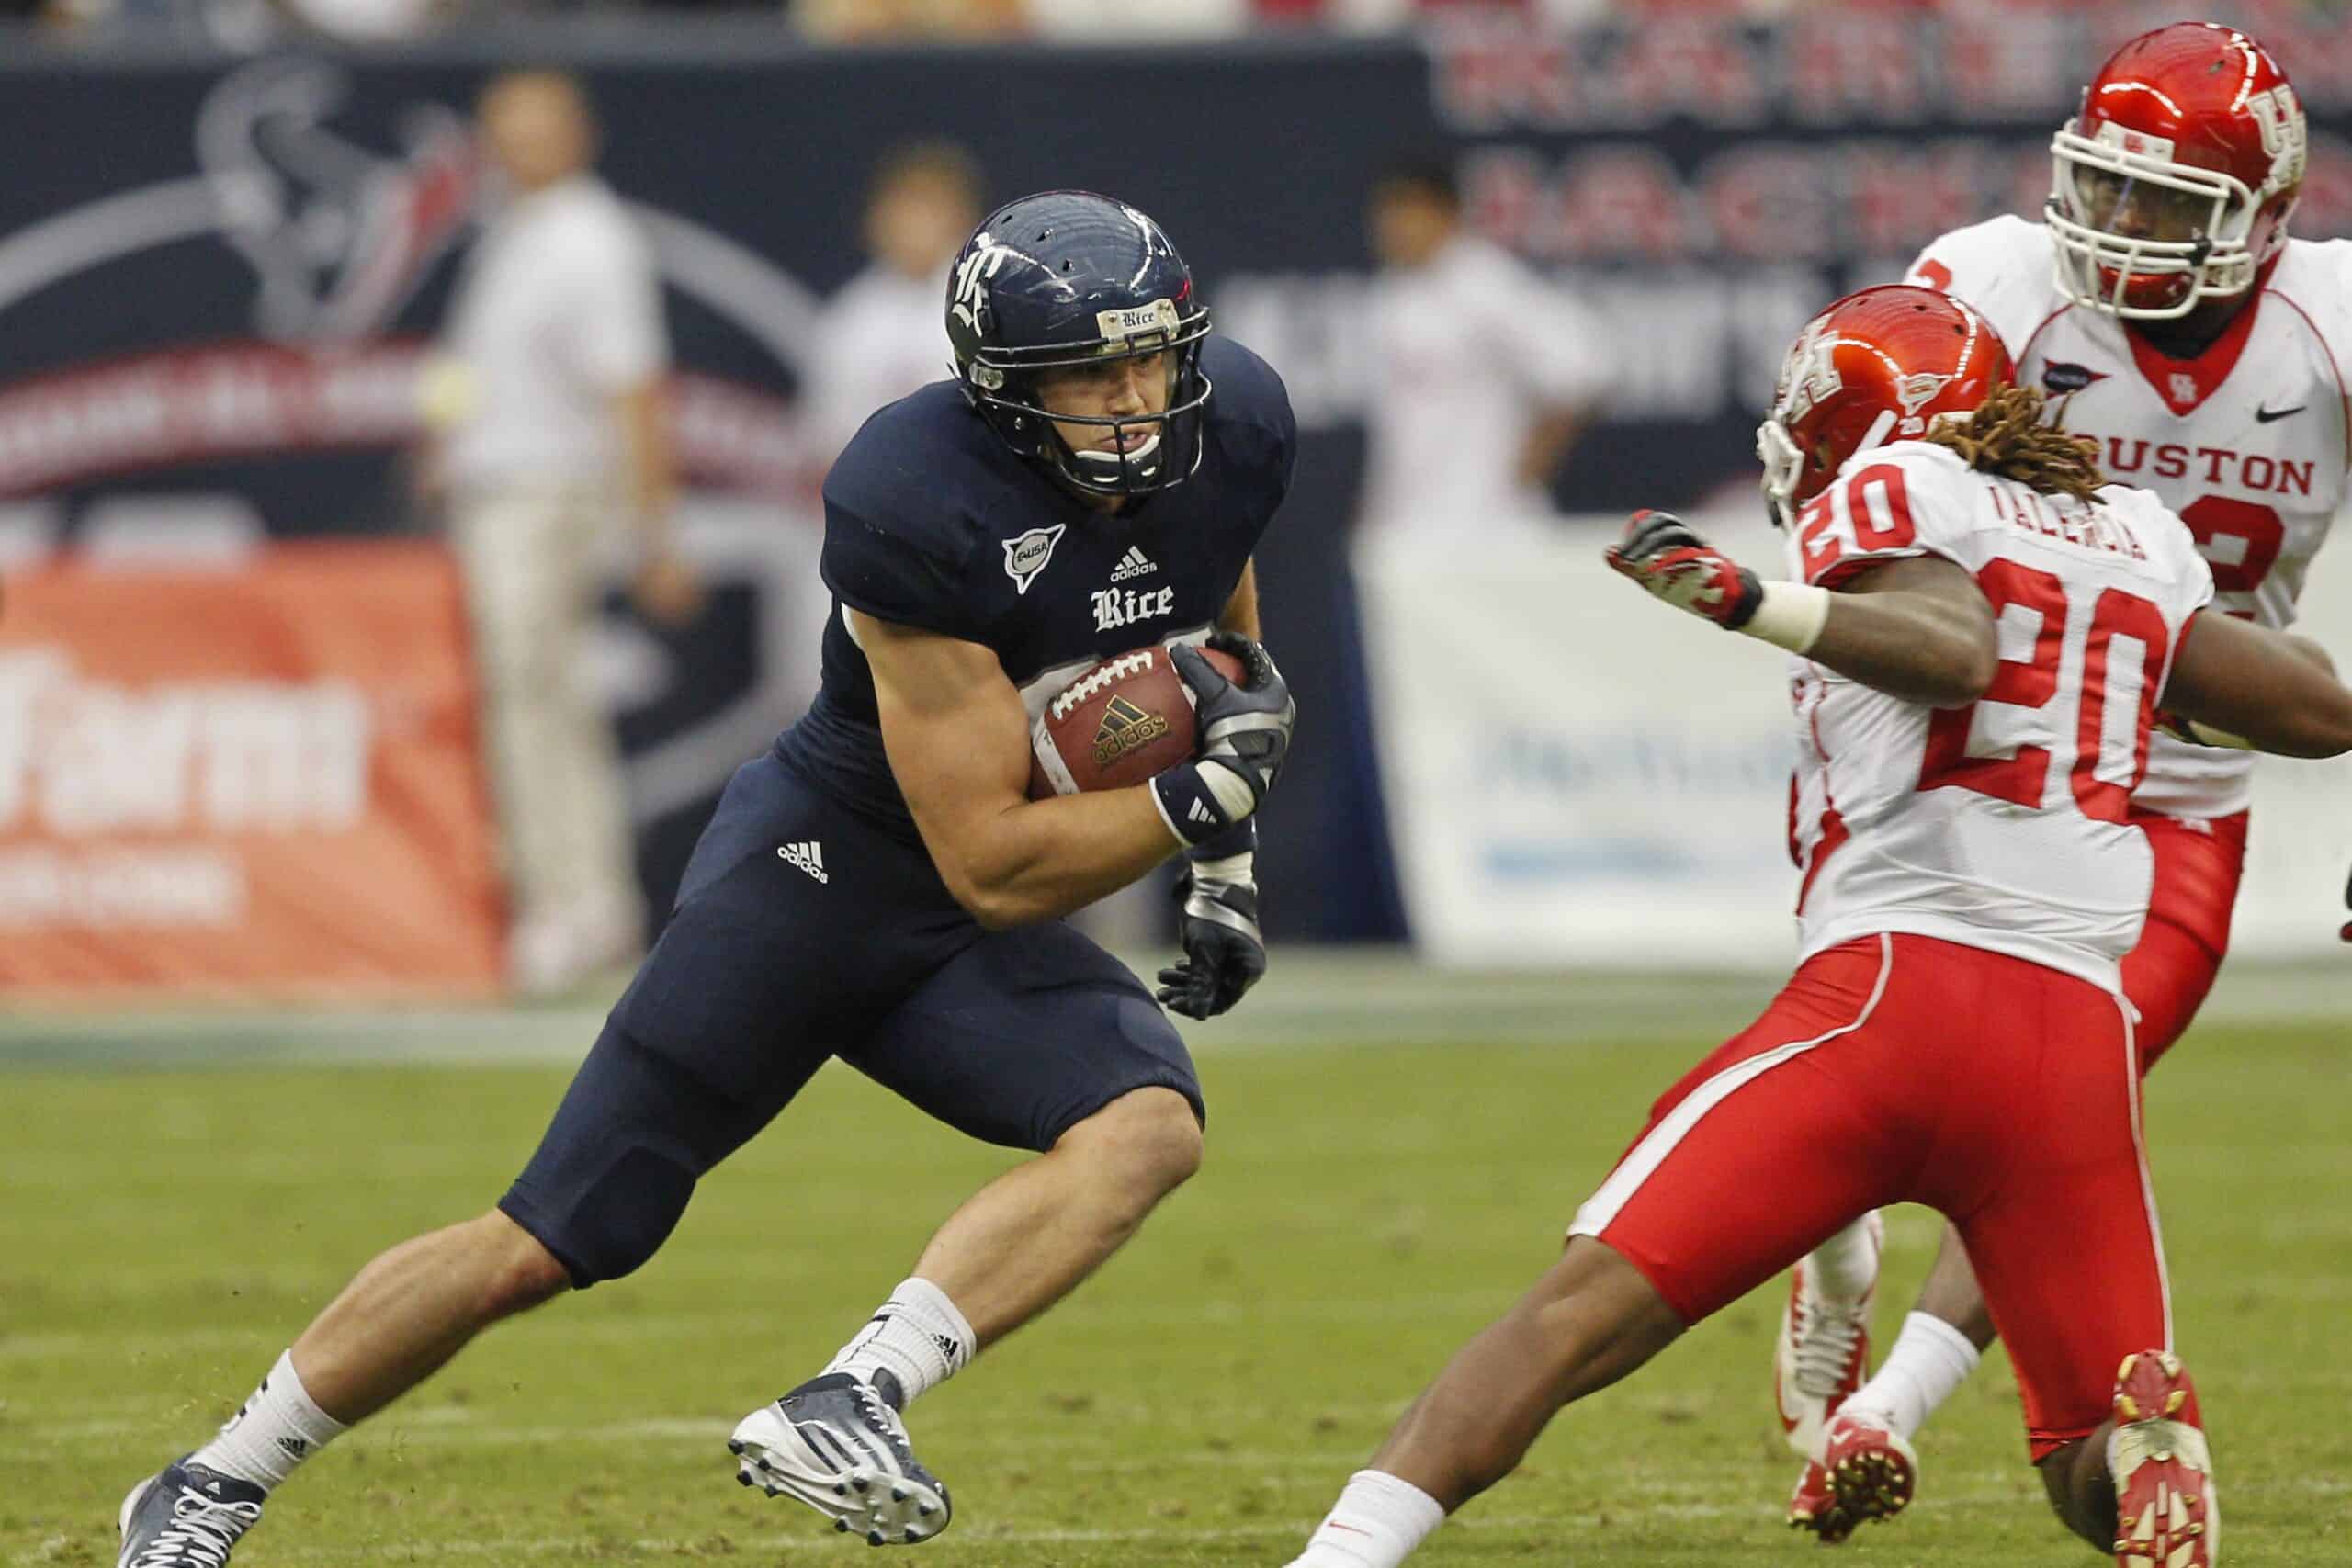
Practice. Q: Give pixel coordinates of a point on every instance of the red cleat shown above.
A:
(1866, 1472)
(1814, 1507)
(2168, 1514)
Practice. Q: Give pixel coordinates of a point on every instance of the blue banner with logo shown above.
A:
(219, 277)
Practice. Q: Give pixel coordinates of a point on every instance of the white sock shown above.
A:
(1930, 1359)
(917, 1337)
(1376, 1523)
(1845, 1265)
(276, 1429)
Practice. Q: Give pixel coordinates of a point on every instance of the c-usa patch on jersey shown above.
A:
(1025, 556)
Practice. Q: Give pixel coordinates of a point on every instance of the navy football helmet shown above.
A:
(1069, 277)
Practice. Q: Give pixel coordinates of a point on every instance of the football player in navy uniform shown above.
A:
(879, 887)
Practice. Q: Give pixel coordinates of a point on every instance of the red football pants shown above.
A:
(1902, 1070)
(2199, 864)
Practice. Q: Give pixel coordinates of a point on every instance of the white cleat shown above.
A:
(1824, 1350)
(836, 1445)
(186, 1517)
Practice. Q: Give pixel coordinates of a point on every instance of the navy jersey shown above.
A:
(932, 522)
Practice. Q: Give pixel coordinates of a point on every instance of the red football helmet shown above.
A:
(2175, 181)
(1879, 365)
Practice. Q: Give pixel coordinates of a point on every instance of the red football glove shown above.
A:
(1659, 551)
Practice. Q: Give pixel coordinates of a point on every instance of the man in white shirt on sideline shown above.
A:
(548, 412)
(1488, 372)
(879, 338)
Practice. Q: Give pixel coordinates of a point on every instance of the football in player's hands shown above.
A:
(1124, 721)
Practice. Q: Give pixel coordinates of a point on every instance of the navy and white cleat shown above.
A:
(185, 1516)
(839, 1446)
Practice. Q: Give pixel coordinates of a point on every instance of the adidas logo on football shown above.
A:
(1134, 563)
(1124, 727)
(808, 855)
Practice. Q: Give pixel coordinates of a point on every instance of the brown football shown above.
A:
(1126, 719)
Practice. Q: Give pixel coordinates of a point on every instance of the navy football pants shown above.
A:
(764, 972)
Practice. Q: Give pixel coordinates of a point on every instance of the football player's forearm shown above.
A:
(1914, 627)
(2309, 715)
(2261, 687)
(2311, 651)
(1914, 646)
(1041, 860)
(2318, 726)
(1240, 612)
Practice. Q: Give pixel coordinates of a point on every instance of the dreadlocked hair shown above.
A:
(2006, 436)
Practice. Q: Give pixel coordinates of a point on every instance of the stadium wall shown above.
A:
(215, 279)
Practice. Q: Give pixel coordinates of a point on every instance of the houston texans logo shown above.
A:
(338, 234)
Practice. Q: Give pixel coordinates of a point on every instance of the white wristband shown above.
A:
(1233, 793)
(1789, 615)
(1226, 870)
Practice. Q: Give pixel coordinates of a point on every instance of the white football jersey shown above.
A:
(2002, 824)
(2247, 442)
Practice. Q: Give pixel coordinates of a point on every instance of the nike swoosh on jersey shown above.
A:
(2264, 416)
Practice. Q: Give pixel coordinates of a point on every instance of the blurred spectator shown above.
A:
(249, 26)
(883, 334)
(548, 400)
(372, 21)
(861, 21)
(1125, 21)
(1485, 371)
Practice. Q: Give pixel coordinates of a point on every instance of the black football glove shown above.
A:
(1225, 952)
(1669, 558)
(1245, 730)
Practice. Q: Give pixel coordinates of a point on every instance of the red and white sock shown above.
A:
(1376, 1524)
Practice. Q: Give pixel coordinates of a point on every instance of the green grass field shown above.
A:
(162, 1233)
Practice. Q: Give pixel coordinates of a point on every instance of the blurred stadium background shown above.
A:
(245, 818)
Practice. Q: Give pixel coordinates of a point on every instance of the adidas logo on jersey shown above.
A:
(1134, 564)
(808, 855)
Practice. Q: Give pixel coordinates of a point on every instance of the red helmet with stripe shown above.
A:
(1879, 365)
(2175, 181)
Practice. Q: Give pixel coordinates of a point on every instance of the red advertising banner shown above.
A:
(263, 779)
